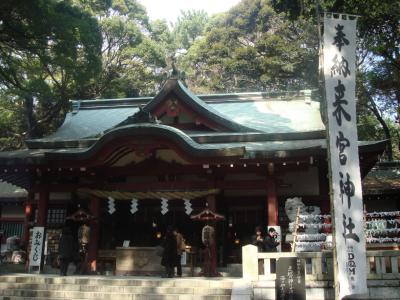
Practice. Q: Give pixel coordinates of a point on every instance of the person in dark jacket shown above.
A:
(68, 250)
(258, 239)
(270, 242)
(169, 257)
(270, 246)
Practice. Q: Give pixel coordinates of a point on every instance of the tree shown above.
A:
(378, 53)
(253, 47)
(130, 54)
(48, 50)
(189, 26)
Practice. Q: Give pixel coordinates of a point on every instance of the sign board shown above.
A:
(35, 257)
(340, 80)
(290, 279)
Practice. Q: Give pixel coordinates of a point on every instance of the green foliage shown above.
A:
(189, 26)
(130, 56)
(379, 31)
(252, 47)
(48, 50)
(378, 53)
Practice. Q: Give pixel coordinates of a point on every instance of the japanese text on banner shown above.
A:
(339, 71)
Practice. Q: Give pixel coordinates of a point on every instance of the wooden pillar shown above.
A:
(210, 267)
(324, 187)
(42, 206)
(212, 203)
(272, 202)
(27, 214)
(95, 209)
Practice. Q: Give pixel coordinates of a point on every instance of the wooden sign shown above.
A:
(290, 279)
(35, 256)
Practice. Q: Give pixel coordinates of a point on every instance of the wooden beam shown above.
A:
(166, 185)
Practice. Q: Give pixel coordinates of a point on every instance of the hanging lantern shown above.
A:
(28, 209)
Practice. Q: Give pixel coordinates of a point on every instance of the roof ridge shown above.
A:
(207, 98)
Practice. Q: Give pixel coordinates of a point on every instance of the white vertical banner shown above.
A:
(35, 256)
(340, 77)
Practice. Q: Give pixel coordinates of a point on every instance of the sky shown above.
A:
(170, 9)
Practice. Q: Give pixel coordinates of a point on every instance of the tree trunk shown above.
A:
(374, 109)
(29, 118)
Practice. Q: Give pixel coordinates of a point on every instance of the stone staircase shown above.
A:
(46, 287)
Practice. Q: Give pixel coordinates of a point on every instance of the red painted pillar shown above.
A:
(95, 209)
(42, 206)
(324, 188)
(272, 202)
(212, 203)
(27, 214)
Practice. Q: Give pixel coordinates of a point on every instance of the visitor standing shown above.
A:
(270, 241)
(271, 245)
(258, 239)
(168, 259)
(68, 250)
(180, 248)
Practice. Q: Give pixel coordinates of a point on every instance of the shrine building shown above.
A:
(241, 155)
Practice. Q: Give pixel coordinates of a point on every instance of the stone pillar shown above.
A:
(272, 202)
(250, 262)
(42, 206)
(95, 209)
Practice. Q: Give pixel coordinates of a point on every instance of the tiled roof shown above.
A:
(11, 191)
(384, 177)
(268, 115)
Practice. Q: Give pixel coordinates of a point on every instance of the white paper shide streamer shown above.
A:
(111, 205)
(339, 71)
(134, 206)
(188, 206)
(164, 206)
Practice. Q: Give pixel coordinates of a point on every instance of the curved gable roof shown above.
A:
(176, 87)
(241, 113)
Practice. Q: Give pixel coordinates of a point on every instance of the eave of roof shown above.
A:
(260, 149)
(201, 138)
(154, 130)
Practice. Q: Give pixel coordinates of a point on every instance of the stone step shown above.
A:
(4, 287)
(133, 297)
(45, 287)
(119, 281)
(34, 294)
